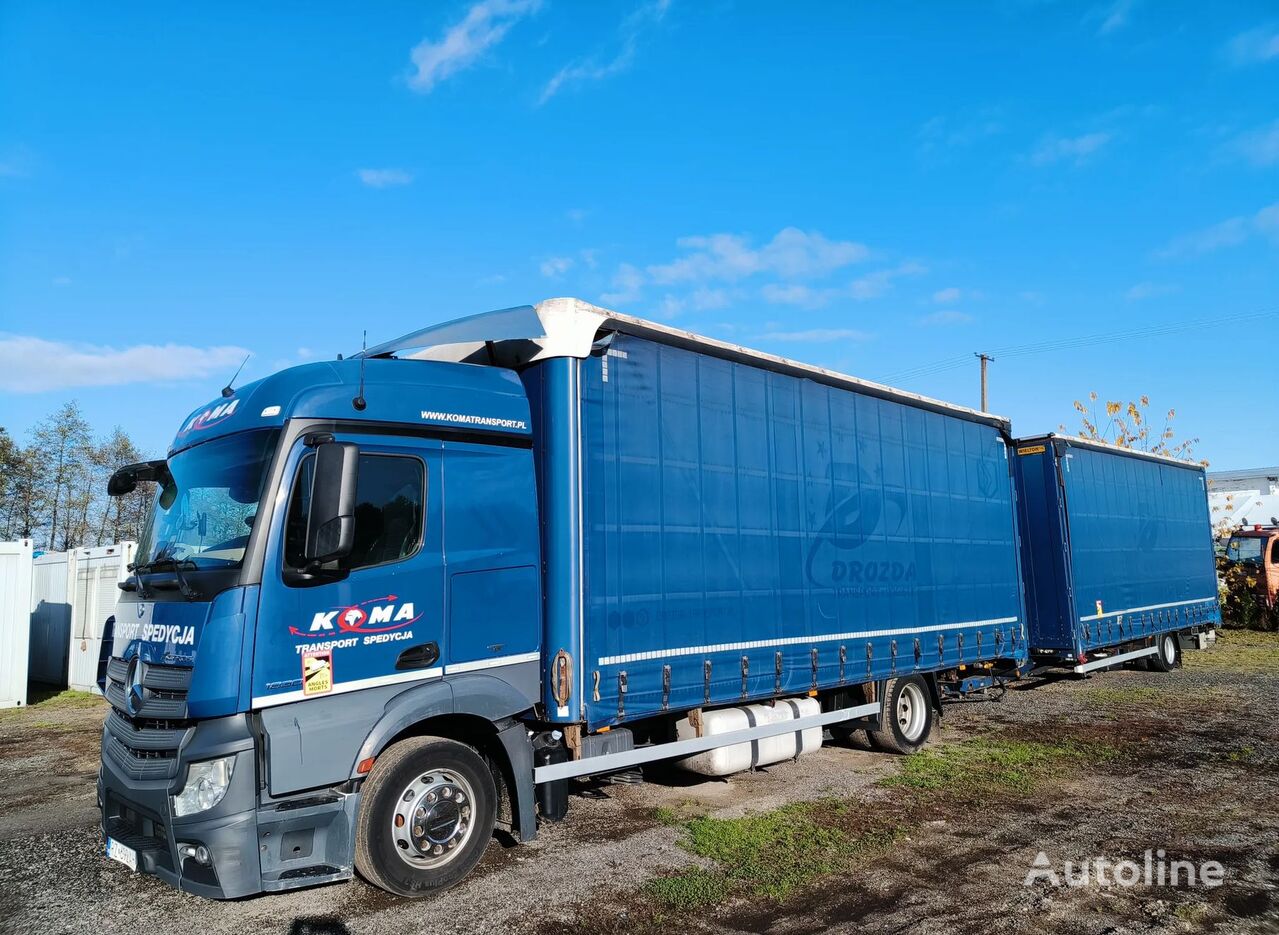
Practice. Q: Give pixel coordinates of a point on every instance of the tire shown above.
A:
(908, 716)
(442, 781)
(843, 734)
(1168, 656)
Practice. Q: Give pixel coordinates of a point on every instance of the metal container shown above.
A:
(15, 621)
(52, 584)
(93, 599)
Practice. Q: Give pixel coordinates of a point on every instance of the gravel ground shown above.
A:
(1196, 772)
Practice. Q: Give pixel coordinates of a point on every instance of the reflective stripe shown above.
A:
(794, 641)
(396, 678)
(1138, 610)
(340, 688)
(497, 662)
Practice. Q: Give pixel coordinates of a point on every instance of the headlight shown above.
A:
(206, 784)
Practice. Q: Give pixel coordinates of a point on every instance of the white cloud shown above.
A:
(485, 25)
(941, 135)
(605, 64)
(791, 254)
(817, 335)
(1078, 149)
(34, 365)
(628, 281)
(577, 215)
(61, 281)
(556, 266)
(1228, 233)
(384, 178)
(946, 316)
(871, 286)
(1254, 47)
(1260, 147)
(949, 294)
(1149, 290)
(1114, 17)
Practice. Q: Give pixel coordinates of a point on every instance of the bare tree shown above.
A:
(1129, 425)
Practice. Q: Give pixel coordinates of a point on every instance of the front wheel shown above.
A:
(1167, 653)
(907, 719)
(426, 816)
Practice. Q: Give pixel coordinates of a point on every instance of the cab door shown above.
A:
(373, 618)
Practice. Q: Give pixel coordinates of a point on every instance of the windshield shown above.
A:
(1245, 549)
(203, 512)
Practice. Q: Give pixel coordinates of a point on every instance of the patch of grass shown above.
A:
(55, 700)
(987, 764)
(1240, 651)
(693, 889)
(1192, 912)
(1132, 695)
(771, 854)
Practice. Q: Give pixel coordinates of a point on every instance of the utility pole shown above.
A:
(985, 359)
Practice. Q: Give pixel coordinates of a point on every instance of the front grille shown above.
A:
(148, 720)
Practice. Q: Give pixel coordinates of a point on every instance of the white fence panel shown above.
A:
(15, 621)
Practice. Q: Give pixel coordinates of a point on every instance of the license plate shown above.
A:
(126, 855)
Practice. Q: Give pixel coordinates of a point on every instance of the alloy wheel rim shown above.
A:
(433, 818)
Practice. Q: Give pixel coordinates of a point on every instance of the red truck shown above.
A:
(1258, 548)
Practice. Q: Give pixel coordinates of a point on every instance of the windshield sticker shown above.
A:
(210, 417)
(317, 673)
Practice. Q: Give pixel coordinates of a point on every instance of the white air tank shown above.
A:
(723, 761)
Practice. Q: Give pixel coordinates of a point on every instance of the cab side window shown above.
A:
(389, 495)
(1274, 551)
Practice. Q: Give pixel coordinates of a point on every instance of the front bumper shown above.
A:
(253, 845)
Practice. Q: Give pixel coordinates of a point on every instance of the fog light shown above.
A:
(206, 785)
(197, 852)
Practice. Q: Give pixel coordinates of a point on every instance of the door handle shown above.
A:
(418, 657)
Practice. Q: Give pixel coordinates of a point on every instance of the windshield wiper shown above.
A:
(164, 562)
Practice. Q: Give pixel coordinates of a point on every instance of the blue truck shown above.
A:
(387, 604)
(1117, 554)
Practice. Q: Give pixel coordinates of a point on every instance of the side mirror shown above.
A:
(330, 524)
(126, 479)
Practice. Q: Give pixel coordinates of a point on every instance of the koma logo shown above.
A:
(377, 615)
(211, 416)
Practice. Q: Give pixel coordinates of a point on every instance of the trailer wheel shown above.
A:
(426, 816)
(907, 719)
(1168, 655)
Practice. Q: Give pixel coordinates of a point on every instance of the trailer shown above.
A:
(383, 605)
(1117, 554)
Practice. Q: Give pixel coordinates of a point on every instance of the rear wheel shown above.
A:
(426, 816)
(907, 718)
(1167, 653)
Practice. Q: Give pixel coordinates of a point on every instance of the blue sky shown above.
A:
(876, 188)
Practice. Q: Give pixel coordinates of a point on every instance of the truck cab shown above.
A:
(1256, 550)
(319, 541)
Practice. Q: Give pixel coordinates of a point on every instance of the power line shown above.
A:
(1068, 343)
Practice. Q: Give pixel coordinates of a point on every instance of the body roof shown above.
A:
(568, 327)
(1076, 441)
